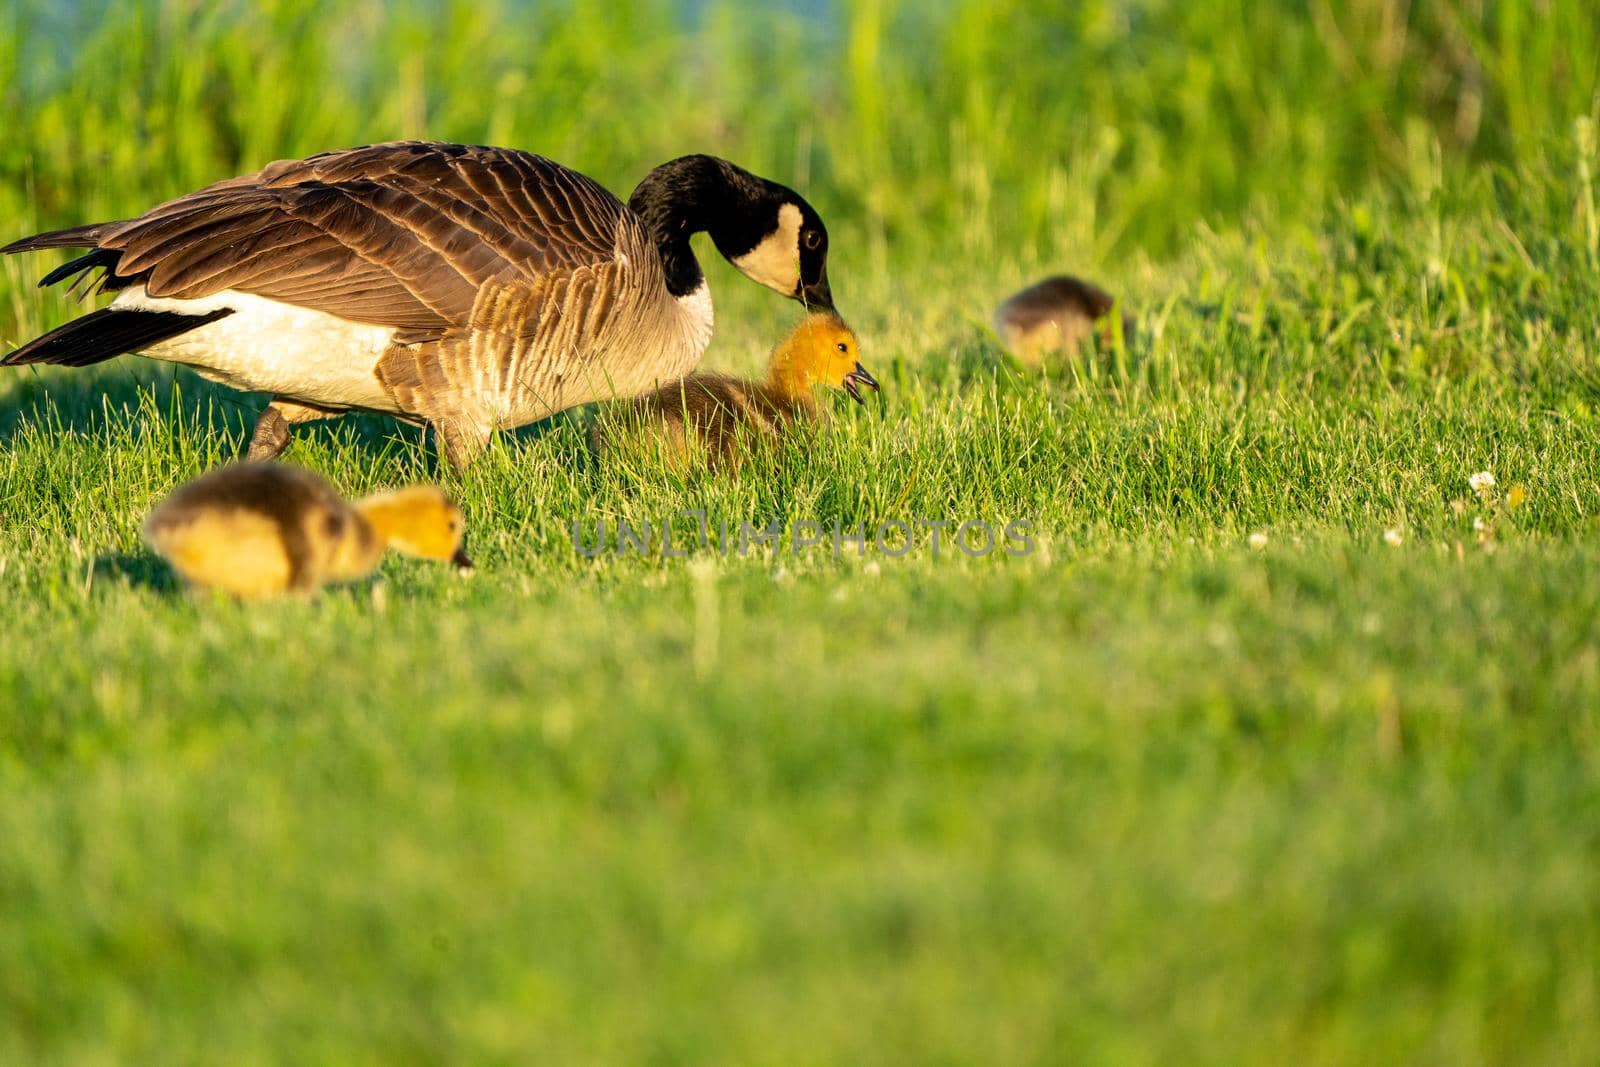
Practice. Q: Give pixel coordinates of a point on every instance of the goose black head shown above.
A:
(779, 240)
(766, 230)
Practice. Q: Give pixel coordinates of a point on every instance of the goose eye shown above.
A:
(812, 240)
(843, 347)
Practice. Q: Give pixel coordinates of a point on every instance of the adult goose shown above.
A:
(462, 287)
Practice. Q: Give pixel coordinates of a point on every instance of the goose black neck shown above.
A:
(693, 194)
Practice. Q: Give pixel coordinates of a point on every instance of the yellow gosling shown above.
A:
(712, 410)
(265, 529)
(1055, 315)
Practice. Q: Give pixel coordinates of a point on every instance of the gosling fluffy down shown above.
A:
(264, 529)
(1055, 315)
(716, 411)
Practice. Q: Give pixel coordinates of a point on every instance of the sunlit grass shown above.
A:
(1282, 744)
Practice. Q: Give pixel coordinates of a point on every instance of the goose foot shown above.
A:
(271, 434)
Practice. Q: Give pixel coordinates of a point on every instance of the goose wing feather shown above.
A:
(401, 234)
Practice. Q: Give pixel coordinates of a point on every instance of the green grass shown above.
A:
(1147, 794)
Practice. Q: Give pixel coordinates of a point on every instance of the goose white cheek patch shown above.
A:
(775, 262)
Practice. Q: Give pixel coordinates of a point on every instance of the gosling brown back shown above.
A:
(711, 408)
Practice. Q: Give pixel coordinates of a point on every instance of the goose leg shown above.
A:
(271, 435)
(460, 441)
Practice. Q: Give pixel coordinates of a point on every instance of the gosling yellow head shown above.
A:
(820, 350)
(418, 520)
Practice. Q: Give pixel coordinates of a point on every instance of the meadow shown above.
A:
(1282, 744)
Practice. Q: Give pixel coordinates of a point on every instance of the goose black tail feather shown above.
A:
(100, 257)
(107, 333)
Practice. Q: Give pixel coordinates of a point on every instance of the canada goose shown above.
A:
(462, 287)
(711, 408)
(1054, 315)
(258, 529)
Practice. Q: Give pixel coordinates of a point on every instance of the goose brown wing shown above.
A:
(398, 235)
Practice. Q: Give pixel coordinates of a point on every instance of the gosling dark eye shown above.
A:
(843, 347)
(812, 240)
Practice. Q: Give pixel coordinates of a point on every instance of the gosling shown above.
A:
(265, 529)
(716, 409)
(1055, 315)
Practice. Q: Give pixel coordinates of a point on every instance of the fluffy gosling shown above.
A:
(1054, 315)
(264, 529)
(714, 409)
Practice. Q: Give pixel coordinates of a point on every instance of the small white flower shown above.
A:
(1258, 540)
(1483, 484)
(1478, 523)
(1394, 536)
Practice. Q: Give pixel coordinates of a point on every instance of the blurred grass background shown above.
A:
(1148, 795)
(1006, 132)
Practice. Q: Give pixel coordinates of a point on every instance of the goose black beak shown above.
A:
(856, 378)
(817, 296)
(460, 561)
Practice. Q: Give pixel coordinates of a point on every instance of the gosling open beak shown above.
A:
(460, 561)
(859, 377)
